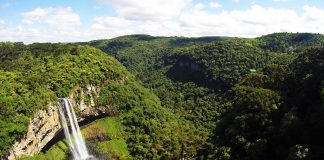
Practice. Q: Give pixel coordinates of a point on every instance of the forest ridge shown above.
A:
(203, 98)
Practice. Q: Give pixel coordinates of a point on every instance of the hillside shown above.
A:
(290, 42)
(209, 81)
(174, 97)
(32, 76)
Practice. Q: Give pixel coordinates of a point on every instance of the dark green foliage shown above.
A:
(225, 63)
(248, 126)
(250, 97)
(305, 99)
(192, 41)
(153, 132)
(292, 128)
(215, 97)
(290, 42)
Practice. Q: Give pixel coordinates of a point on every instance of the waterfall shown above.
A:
(73, 134)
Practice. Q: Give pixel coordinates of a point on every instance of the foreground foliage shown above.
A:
(33, 76)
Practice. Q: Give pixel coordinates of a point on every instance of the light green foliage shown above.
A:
(115, 148)
(33, 76)
(107, 135)
(57, 69)
(126, 95)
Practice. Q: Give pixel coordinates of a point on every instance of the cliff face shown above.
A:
(46, 123)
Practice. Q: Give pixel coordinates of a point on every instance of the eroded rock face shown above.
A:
(46, 124)
(42, 128)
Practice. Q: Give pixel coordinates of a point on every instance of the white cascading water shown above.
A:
(74, 139)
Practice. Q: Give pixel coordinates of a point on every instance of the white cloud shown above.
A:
(215, 5)
(56, 18)
(254, 21)
(165, 28)
(312, 19)
(199, 7)
(313, 14)
(30, 35)
(191, 21)
(18, 33)
(2, 24)
(108, 22)
(147, 9)
(104, 27)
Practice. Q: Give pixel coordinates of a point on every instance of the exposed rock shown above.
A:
(46, 123)
(42, 128)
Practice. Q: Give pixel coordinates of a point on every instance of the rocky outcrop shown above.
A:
(41, 129)
(46, 123)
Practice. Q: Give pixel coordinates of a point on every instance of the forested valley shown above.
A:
(256, 98)
(221, 98)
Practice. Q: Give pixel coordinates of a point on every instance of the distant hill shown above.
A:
(289, 42)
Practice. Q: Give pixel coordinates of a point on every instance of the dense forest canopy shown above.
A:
(35, 75)
(253, 98)
(203, 98)
(32, 76)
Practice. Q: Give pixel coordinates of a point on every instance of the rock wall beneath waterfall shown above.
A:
(42, 128)
(46, 123)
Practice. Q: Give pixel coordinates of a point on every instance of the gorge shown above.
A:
(145, 97)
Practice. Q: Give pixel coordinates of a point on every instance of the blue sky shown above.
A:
(82, 20)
